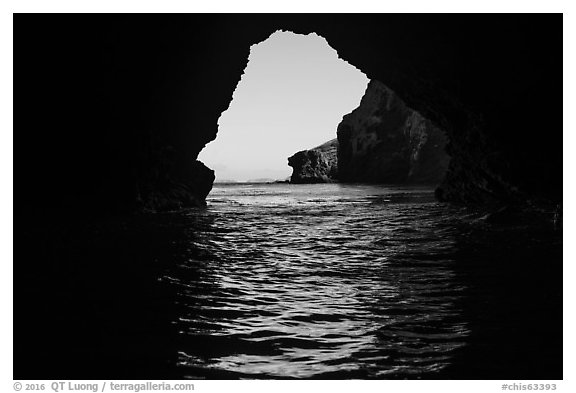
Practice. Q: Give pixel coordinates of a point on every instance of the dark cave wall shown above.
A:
(115, 108)
(493, 82)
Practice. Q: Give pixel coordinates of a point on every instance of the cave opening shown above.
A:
(302, 114)
(292, 95)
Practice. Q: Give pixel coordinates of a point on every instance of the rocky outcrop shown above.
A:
(317, 165)
(384, 141)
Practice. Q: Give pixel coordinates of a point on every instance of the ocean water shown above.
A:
(320, 281)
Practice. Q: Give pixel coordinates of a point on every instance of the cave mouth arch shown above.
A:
(292, 95)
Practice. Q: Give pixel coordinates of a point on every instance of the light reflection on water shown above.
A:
(319, 281)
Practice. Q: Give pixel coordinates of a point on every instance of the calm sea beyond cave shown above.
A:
(289, 196)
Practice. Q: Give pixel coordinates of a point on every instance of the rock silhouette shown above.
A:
(317, 165)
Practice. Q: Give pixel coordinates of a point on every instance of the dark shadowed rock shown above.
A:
(318, 165)
(384, 141)
(174, 190)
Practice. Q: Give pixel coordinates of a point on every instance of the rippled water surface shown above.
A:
(288, 281)
(319, 280)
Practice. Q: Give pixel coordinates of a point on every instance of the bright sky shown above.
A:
(291, 97)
